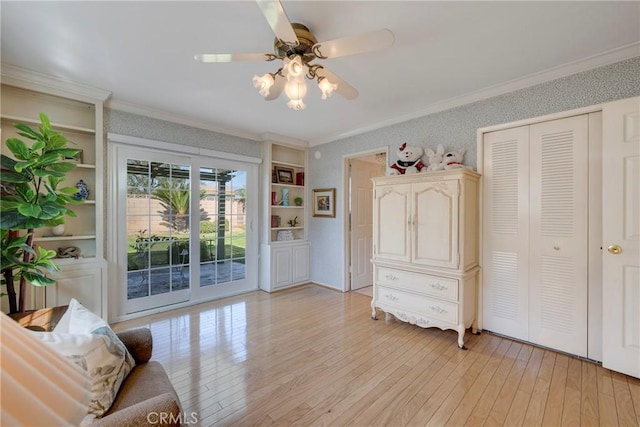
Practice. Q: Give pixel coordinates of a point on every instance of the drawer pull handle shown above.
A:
(391, 277)
(438, 309)
(438, 286)
(391, 297)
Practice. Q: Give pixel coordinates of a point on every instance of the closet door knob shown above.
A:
(614, 249)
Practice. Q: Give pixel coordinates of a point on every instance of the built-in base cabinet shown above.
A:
(84, 282)
(288, 265)
(426, 249)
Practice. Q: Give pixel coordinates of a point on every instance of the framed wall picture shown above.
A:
(284, 175)
(324, 202)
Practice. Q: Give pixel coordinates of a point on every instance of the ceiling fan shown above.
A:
(297, 47)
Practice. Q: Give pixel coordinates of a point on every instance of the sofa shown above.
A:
(146, 392)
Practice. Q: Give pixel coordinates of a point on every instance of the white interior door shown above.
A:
(621, 236)
(558, 281)
(362, 221)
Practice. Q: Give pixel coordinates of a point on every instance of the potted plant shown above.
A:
(298, 201)
(32, 197)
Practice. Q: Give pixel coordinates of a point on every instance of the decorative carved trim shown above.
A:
(438, 286)
(391, 297)
(438, 309)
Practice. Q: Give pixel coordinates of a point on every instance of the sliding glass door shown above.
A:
(185, 228)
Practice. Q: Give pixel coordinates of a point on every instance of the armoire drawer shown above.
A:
(442, 287)
(429, 307)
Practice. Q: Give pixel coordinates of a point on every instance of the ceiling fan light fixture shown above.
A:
(294, 67)
(264, 83)
(295, 89)
(296, 104)
(326, 87)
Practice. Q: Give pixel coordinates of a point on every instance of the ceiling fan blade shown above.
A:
(231, 57)
(276, 89)
(344, 88)
(277, 19)
(353, 45)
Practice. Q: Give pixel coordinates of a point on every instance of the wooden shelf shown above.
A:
(64, 238)
(286, 228)
(58, 126)
(286, 185)
(286, 207)
(291, 165)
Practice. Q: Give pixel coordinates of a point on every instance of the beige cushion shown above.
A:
(88, 341)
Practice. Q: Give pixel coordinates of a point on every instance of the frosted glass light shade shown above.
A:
(264, 83)
(39, 386)
(326, 87)
(295, 89)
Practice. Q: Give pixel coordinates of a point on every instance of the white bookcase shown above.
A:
(285, 246)
(77, 112)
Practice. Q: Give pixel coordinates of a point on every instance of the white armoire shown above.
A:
(425, 253)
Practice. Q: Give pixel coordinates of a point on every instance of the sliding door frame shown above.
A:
(198, 157)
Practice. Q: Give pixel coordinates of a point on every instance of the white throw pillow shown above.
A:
(88, 341)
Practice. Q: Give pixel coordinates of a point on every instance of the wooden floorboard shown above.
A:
(311, 356)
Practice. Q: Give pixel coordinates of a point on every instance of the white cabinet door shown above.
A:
(558, 234)
(281, 267)
(391, 216)
(83, 283)
(505, 256)
(621, 236)
(434, 223)
(300, 264)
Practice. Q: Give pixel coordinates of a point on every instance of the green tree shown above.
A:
(32, 198)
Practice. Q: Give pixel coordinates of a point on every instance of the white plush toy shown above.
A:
(453, 159)
(435, 158)
(408, 161)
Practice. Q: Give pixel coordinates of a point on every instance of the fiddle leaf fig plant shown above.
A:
(32, 197)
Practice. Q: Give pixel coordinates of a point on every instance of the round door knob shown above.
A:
(614, 249)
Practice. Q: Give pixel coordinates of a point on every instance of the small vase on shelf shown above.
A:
(285, 197)
(83, 191)
(58, 230)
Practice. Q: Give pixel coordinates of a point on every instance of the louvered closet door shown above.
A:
(505, 263)
(558, 234)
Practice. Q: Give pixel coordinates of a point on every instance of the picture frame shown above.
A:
(324, 203)
(284, 175)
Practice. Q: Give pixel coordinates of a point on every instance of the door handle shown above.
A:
(614, 249)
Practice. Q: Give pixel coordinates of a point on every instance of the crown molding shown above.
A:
(175, 118)
(24, 78)
(274, 137)
(600, 60)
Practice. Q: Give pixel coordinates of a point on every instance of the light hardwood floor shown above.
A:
(311, 356)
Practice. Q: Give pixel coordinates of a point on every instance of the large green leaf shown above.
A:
(51, 209)
(62, 167)
(12, 220)
(30, 210)
(37, 279)
(18, 148)
(28, 131)
(13, 177)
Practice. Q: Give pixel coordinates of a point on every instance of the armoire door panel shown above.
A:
(558, 281)
(392, 204)
(506, 232)
(435, 224)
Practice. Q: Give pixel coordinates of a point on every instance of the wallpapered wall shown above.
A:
(454, 129)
